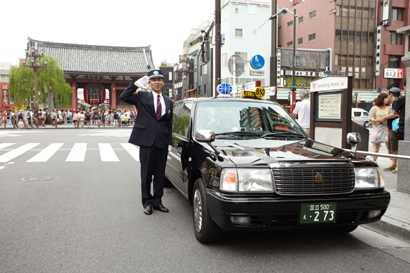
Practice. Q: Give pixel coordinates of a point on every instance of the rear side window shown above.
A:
(183, 117)
(357, 114)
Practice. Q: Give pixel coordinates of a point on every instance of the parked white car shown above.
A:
(360, 116)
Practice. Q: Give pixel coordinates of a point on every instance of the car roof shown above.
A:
(194, 100)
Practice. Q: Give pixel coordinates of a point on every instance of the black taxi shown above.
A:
(246, 164)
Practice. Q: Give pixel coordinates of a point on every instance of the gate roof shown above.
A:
(93, 59)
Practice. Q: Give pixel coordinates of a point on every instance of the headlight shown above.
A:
(368, 178)
(246, 180)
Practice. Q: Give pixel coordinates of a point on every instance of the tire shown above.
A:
(345, 229)
(206, 231)
(366, 124)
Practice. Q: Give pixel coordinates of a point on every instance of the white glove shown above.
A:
(169, 148)
(142, 82)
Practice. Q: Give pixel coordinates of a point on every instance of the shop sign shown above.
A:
(393, 73)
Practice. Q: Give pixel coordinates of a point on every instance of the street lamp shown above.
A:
(381, 71)
(32, 54)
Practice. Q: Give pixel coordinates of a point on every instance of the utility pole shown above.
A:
(217, 44)
(273, 58)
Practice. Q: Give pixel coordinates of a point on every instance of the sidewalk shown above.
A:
(61, 126)
(396, 220)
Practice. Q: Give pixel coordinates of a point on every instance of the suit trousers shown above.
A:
(153, 160)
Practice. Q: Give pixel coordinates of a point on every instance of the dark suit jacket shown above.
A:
(147, 129)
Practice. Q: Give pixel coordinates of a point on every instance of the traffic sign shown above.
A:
(257, 62)
(240, 66)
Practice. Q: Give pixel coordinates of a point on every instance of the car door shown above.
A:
(176, 170)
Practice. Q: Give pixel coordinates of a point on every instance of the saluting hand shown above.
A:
(142, 82)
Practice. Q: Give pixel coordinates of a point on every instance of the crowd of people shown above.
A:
(78, 118)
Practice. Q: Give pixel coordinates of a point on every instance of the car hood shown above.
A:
(264, 152)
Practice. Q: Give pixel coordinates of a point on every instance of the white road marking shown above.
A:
(17, 152)
(4, 145)
(132, 150)
(77, 152)
(107, 153)
(47, 153)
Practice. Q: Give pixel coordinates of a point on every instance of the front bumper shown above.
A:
(276, 212)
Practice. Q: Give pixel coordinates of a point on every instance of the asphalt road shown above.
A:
(87, 217)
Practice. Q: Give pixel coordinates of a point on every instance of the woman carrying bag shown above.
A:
(379, 132)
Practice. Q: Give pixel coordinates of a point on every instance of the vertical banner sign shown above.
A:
(378, 47)
(278, 83)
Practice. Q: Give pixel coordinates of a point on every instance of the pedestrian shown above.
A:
(302, 110)
(87, 118)
(19, 116)
(54, 118)
(14, 120)
(81, 117)
(96, 117)
(75, 119)
(123, 119)
(44, 117)
(399, 110)
(103, 116)
(392, 141)
(379, 132)
(152, 132)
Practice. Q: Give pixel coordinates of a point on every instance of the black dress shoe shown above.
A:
(161, 208)
(148, 210)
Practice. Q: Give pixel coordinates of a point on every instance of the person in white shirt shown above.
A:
(302, 110)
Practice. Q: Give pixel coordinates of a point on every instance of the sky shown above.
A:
(163, 24)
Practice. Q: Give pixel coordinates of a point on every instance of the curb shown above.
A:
(392, 227)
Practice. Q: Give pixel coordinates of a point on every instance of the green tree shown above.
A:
(49, 79)
(164, 63)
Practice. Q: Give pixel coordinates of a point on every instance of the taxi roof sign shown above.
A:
(224, 90)
(258, 93)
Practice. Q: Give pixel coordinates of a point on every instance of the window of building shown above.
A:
(290, 23)
(365, 13)
(364, 37)
(358, 36)
(170, 75)
(290, 43)
(279, 28)
(204, 69)
(344, 36)
(371, 37)
(300, 19)
(252, 9)
(394, 64)
(352, 11)
(236, 10)
(351, 35)
(243, 55)
(300, 41)
(312, 37)
(395, 38)
(338, 35)
(370, 61)
(312, 14)
(350, 60)
(238, 33)
(397, 14)
(224, 59)
(356, 61)
(343, 60)
(337, 59)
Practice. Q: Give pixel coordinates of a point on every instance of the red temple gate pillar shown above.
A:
(113, 96)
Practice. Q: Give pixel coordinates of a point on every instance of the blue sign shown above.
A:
(257, 62)
(224, 89)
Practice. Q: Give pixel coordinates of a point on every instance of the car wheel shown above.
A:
(366, 124)
(206, 231)
(345, 229)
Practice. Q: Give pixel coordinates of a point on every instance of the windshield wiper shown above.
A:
(289, 134)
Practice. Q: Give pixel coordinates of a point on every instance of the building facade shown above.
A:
(6, 103)
(349, 29)
(240, 22)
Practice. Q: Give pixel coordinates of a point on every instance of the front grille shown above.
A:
(302, 181)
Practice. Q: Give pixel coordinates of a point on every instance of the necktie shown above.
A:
(159, 108)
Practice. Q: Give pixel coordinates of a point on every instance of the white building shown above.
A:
(240, 22)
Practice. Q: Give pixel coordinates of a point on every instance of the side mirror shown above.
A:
(354, 139)
(205, 136)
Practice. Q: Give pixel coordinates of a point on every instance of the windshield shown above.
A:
(245, 118)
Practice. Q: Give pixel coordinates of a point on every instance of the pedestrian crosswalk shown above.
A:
(73, 152)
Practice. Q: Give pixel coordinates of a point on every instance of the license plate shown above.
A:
(312, 213)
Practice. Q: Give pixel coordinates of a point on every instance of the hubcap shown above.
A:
(198, 210)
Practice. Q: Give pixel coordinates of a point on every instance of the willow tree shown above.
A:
(49, 79)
